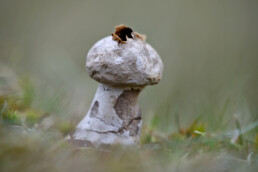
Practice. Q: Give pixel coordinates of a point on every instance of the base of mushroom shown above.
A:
(114, 118)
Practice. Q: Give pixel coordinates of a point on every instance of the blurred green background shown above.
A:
(209, 50)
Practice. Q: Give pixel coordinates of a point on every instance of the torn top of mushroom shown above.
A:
(134, 63)
(123, 32)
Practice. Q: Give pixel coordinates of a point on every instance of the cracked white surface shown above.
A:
(133, 63)
(104, 128)
(123, 70)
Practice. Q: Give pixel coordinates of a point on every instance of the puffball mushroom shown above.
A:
(123, 64)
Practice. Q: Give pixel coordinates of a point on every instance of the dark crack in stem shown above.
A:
(127, 109)
(94, 109)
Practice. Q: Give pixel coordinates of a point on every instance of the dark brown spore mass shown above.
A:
(121, 33)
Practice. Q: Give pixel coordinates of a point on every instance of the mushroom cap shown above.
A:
(134, 63)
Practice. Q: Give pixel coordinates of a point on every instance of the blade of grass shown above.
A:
(3, 108)
(244, 130)
(240, 134)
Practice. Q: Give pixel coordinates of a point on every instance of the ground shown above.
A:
(33, 139)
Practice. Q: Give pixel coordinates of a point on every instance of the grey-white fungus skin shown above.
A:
(134, 63)
(123, 65)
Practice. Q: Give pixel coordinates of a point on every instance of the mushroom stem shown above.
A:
(114, 117)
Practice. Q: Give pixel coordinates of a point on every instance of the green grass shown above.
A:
(32, 139)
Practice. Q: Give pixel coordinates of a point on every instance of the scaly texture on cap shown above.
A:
(130, 63)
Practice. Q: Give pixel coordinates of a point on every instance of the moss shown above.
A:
(32, 117)
(12, 117)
